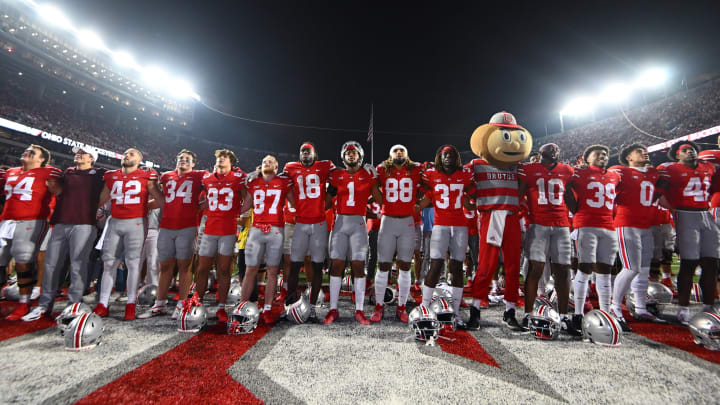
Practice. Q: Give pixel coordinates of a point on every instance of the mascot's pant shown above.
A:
(489, 254)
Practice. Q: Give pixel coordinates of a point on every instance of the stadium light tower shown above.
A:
(578, 106)
(155, 77)
(181, 89)
(651, 78)
(615, 93)
(124, 59)
(90, 39)
(54, 16)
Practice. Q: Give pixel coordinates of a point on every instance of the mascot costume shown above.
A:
(501, 145)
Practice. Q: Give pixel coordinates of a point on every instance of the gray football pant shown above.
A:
(75, 240)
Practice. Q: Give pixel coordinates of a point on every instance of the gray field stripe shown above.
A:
(512, 370)
(246, 370)
(91, 384)
(673, 352)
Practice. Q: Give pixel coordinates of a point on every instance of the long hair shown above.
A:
(389, 165)
(438, 158)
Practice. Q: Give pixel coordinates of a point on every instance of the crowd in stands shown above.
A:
(679, 114)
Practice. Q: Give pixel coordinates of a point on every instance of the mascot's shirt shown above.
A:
(497, 189)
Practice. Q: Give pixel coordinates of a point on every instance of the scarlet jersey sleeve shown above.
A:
(713, 156)
(635, 196)
(26, 193)
(353, 190)
(399, 188)
(546, 192)
(269, 199)
(309, 187)
(224, 197)
(595, 190)
(447, 192)
(687, 187)
(182, 194)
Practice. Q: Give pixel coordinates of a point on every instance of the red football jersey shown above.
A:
(546, 192)
(26, 193)
(595, 193)
(661, 215)
(269, 199)
(129, 193)
(309, 187)
(182, 193)
(635, 196)
(374, 223)
(353, 190)
(687, 187)
(713, 156)
(471, 218)
(224, 197)
(447, 192)
(289, 213)
(399, 188)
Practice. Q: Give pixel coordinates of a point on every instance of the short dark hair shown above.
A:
(43, 152)
(228, 153)
(187, 152)
(628, 150)
(672, 152)
(592, 148)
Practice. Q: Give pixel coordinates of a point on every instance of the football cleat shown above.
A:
(35, 314)
(267, 318)
(101, 310)
(221, 315)
(474, 322)
(402, 315)
(377, 316)
(510, 320)
(129, 312)
(567, 325)
(156, 310)
(360, 318)
(620, 320)
(331, 317)
(525, 323)
(20, 311)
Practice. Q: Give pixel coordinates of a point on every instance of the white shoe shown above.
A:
(36, 291)
(90, 298)
(35, 314)
(176, 313)
(156, 310)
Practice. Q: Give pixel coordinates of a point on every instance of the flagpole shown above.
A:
(372, 138)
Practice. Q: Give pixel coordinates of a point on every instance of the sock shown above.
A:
(457, 293)
(640, 288)
(427, 294)
(381, 281)
(403, 287)
(604, 290)
(359, 293)
(580, 287)
(667, 275)
(24, 298)
(160, 303)
(509, 305)
(334, 291)
(269, 307)
(622, 283)
(108, 280)
(476, 303)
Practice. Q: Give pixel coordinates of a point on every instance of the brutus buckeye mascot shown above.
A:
(501, 145)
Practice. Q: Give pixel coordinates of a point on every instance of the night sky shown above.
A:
(436, 70)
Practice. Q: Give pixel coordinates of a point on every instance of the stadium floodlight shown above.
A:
(90, 39)
(155, 77)
(181, 89)
(651, 78)
(579, 106)
(53, 15)
(615, 93)
(124, 59)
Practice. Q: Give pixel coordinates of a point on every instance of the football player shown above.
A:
(448, 182)
(353, 187)
(309, 179)
(635, 194)
(266, 194)
(591, 197)
(28, 191)
(687, 185)
(544, 183)
(224, 199)
(399, 178)
(129, 189)
(176, 238)
(74, 231)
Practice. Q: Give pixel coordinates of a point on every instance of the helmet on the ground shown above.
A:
(550, 286)
(234, 293)
(68, 314)
(444, 313)
(390, 295)
(84, 332)
(650, 304)
(299, 311)
(540, 301)
(424, 323)
(243, 319)
(443, 293)
(347, 284)
(601, 328)
(660, 293)
(11, 292)
(705, 329)
(147, 295)
(696, 293)
(193, 316)
(545, 322)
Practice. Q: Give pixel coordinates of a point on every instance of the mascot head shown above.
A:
(502, 142)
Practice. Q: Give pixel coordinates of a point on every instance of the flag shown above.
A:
(370, 128)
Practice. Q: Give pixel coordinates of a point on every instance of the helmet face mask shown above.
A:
(424, 323)
(243, 319)
(705, 329)
(545, 322)
(444, 313)
(69, 314)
